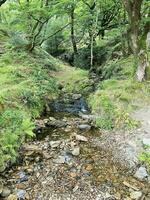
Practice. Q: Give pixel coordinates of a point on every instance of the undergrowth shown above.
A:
(118, 96)
(26, 82)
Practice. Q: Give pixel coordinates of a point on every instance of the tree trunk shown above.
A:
(2, 2)
(75, 50)
(133, 9)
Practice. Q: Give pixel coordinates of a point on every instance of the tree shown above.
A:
(2, 2)
(133, 9)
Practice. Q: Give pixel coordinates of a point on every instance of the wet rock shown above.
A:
(141, 173)
(81, 138)
(76, 96)
(136, 195)
(84, 127)
(59, 160)
(6, 192)
(76, 151)
(146, 142)
(55, 144)
(12, 197)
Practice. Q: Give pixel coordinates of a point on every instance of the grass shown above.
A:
(25, 83)
(73, 79)
(119, 96)
(27, 80)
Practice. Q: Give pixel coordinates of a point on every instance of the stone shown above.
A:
(21, 194)
(31, 149)
(23, 177)
(46, 155)
(146, 142)
(6, 192)
(12, 197)
(55, 144)
(59, 160)
(76, 96)
(1, 186)
(84, 127)
(56, 123)
(141, 173)
(136, 195)
(76, 151)
(81, 138)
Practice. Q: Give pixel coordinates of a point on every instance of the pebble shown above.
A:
(136, 195)
(141, 173)
(81, 138)
(6, 192)
(76, 151)
(55, 144)
(21, 194)
(1, 186)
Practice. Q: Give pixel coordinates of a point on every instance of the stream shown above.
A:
(63, 163)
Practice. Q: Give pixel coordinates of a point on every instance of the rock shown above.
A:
(55, 144)
(87, 117)
(59, 160)
(76, 151)
(136, 195)
(6, 192)
(12, 197)
(76, 96)
(31, 149)
(146, 142)
(23, 177)
(81, 138)
(56, 123)
(141, 173)
(1, 186)
(21, 194)
(46, 155)
(84, 127)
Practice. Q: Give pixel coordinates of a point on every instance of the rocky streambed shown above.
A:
(64, 161)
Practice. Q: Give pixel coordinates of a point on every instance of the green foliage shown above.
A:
(145, 157)
(116, 98)
(25, 83)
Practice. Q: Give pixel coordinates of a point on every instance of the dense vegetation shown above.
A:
(110, 38)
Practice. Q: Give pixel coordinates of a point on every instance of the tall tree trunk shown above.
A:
(74, 45)
(133, 9)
